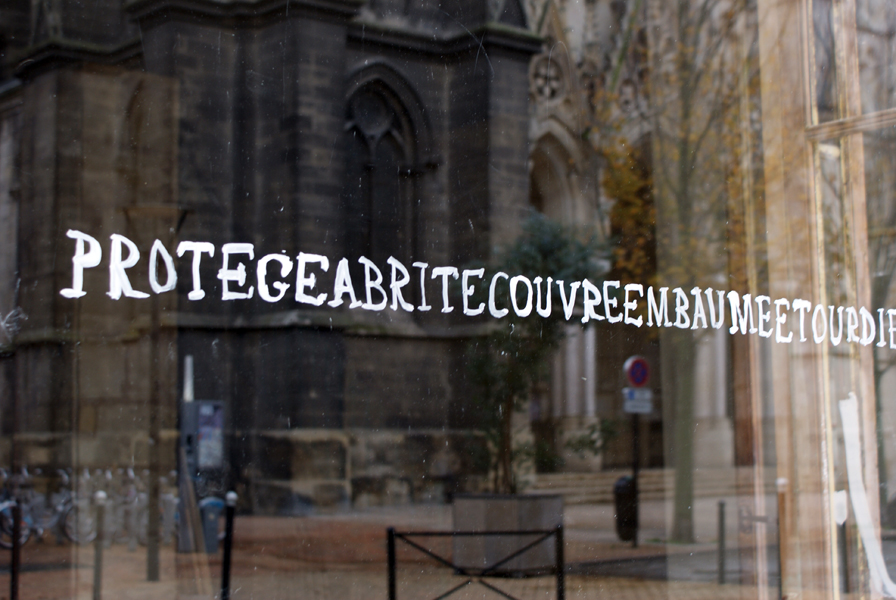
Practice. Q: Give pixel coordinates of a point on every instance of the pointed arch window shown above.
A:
(378, 178)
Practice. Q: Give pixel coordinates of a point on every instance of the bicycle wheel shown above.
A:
(45, 515)
(6, 526)
(120, 524)
(79, 524)
(143, 527)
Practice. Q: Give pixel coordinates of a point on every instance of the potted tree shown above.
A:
(505, 366)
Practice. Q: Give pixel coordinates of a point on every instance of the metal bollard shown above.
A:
(843, 551)
(721, 542)
(16, 562)
(390, 550)
(783, 529)
(230, 508)
(561, 568)
(99, 499)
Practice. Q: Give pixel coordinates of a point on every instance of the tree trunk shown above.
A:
(679, 381)
(505, 482)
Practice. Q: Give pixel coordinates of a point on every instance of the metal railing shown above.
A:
(475, 575)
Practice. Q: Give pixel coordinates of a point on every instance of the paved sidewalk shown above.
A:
(342, 556)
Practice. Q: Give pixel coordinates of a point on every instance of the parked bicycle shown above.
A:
(69, 512)
(37, 513)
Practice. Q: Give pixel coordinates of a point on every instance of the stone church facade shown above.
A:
(339, 128)
(419, 130)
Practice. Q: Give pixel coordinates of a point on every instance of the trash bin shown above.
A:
(626, 504)
(210, 511)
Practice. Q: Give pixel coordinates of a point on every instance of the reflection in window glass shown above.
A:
(554, 298)
(875, 28)
(881, 261)
(825, 75)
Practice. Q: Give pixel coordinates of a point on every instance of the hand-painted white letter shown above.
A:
(422, 266)
(527, 309)
(343, 285)
(118, 279)
(763, 315)
(802, 307)
(444, 273)
(80, 261)
(492, 309)
(544, 311)
(590, 300)
(238, 275)
(570, 304)
(780, 320)
(309, 281)
(610, 301)
(261, 273)
(158, 249)
(631, 305)
(682, 321)
(396, 284)
(373, 283)
(467, 290)
(197, 248)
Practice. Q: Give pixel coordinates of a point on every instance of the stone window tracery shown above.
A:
(379, 153)
(548, 82)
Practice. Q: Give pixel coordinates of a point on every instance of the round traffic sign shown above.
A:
(637, 370)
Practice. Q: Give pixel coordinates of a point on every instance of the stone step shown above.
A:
(595, 488)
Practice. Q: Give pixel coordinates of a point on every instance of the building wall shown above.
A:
(221, 126)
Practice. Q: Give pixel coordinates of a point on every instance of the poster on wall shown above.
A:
(210, 440)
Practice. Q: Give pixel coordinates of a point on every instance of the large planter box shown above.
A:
(495, 512)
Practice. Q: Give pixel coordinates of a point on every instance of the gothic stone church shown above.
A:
(334, 127)
(342, 128)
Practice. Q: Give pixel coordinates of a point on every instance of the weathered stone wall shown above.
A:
(234, 133)
(97, 154)
(307, 470)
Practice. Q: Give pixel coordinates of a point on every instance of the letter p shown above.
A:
(80, 261)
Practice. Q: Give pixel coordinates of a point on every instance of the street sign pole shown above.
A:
(638, 399)
(636, 460)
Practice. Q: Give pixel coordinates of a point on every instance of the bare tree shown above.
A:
(695, 83)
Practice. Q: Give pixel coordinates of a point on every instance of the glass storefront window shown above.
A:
(425, 299)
